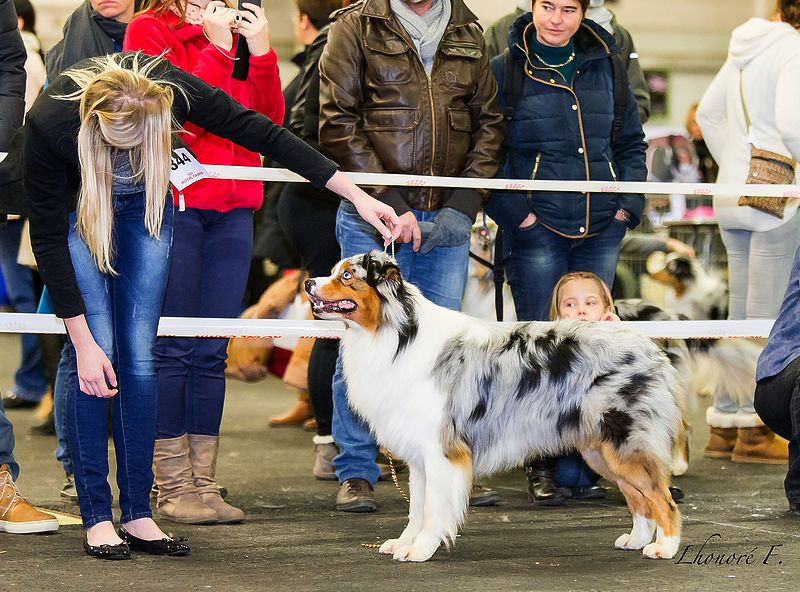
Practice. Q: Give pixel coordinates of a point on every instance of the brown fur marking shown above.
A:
(642, 481)
(368, 305)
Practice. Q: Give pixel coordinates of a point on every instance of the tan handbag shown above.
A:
(766, 168)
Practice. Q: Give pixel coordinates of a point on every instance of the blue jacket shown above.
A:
(562, 131)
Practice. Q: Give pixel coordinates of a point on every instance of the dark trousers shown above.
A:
(777, 402)
(308, 218)
(207, 275)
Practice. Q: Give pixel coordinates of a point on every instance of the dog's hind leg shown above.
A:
(448, 479)
(647, 475)
(644, 527)
(680, 452)
(416, 491)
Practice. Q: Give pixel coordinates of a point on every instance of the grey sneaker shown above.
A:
(356, 495)
(68, 491)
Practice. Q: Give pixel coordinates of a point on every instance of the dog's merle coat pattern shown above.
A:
(556, 386)
(453, 395)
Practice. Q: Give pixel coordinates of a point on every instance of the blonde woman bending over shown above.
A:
(98, 154)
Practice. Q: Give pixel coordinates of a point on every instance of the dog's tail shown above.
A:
(724, 366)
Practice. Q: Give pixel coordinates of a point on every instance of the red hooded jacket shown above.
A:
(191, 51)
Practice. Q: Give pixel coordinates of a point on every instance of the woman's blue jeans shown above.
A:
(441, 275)
(536, 258)
(207, 276)
(122, 312)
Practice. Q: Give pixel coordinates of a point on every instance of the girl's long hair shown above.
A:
(578, 275)
(121, 110)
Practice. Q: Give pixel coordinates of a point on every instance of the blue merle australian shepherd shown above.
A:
(455, 396)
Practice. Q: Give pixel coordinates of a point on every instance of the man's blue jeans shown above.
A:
(7, 444)
(122, 313)
(536, 257)
(440, 274)
(29, 380)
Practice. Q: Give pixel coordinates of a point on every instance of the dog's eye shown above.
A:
(347, 275)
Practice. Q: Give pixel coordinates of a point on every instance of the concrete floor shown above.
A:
(294, 539)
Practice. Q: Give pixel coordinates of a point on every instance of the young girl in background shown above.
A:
(579, 296)
(582, 296)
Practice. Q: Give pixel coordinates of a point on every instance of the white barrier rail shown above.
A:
(200, 327)
(379, 179)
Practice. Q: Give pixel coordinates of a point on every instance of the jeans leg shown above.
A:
(7, 444)
(737, 247)
(535, 259)
(599, 254)
(87, 415)
(29, 380)
(357, 447)
(60, 397)
(441, 274)
(137, 295)
(174, 355)
(771, 258)
(227, 244)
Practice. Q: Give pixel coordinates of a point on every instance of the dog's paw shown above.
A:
(421, 550)
(390, 546)
(626, 541)
(660, 551)
(630, 542)
(679, 467)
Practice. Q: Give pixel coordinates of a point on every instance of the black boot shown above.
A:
(540, 473)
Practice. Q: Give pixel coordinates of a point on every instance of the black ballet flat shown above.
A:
(112, 552)
(172, 547)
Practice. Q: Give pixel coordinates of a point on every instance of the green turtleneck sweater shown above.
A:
(544, 56)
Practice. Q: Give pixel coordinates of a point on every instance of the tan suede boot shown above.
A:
(720, 442)
(296, 415)
(178, 499)
(203, 452)
(760, 445)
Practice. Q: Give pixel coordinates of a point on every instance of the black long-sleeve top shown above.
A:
(52, 168)
(12, 74)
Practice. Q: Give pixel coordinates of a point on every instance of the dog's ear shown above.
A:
(680, 268)
(381, 269)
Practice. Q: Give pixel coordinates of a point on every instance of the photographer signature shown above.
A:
(701, 555)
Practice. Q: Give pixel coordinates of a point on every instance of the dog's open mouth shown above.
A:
(320, 306)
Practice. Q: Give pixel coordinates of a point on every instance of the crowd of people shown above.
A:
(553, 91)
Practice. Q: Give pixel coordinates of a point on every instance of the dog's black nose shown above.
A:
(309, 284)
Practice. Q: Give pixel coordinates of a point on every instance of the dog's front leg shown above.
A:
(447, 486)
(416, 491)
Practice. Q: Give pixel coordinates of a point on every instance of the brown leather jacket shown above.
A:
(379, 111)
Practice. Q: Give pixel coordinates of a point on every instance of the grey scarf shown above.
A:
(426, 31)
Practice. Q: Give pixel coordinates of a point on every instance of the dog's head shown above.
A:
(357, 290)
(677, 271)
(699, 293)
